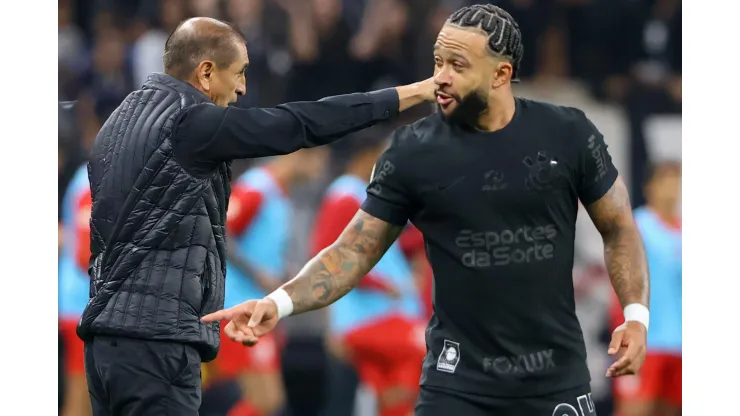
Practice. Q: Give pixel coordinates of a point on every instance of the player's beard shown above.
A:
(468, 110)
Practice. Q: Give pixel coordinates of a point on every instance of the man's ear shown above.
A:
(204, 74)
(502, 75)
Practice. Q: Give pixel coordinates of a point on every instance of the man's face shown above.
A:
(227, 84)
(665, 187)
(463, 72)
(451, 354)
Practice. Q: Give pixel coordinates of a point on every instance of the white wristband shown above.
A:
(637, 312)
(283, 301)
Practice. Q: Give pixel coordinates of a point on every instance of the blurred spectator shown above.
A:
(656, 390)
(247, 15)
(146, 52)
(210, 8)
(381, 46)
(656, 79)
(71, 47)
(319, 44)
(107, 81)
(69, 155)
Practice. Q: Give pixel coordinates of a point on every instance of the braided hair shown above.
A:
(504, 37)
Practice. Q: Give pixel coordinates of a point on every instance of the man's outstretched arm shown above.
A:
(340, 267)
(325, 278)
(627, 264)
(207, 132)
(624, 251)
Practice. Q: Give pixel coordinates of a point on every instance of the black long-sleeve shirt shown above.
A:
(207, 134)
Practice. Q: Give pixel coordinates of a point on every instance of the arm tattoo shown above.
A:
(624, 251)
(338, 268)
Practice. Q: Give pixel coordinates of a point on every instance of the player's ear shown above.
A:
(502, 74)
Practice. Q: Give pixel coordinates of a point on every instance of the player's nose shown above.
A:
(442, 77)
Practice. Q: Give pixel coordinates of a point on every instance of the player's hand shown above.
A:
(248, 321)
(630, 341)
(429, 88)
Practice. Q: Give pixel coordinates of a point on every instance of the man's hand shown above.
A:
(429, 88)
(249, 320)
(629, 339)
(416, 93)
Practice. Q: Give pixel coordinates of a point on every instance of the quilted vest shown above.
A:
(158, 232)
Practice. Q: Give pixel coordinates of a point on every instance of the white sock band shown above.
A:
(283, 301)
(637, 312)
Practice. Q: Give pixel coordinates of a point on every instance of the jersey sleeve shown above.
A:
(82, 229)
(597, 172)
(244, 204)
(333, 217)
(388, 196)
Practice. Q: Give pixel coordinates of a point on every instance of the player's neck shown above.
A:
(359, 169)
(281, 174)
(666, 213)
(501, 109)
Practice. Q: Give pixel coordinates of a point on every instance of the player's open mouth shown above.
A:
(443, 99)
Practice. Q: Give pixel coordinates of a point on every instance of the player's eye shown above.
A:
(457, 66)
(437, 62)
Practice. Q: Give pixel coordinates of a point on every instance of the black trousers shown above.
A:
(572, 402)
(304, 364)
(141, 377)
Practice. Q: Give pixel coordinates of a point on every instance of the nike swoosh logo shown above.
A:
(446, 186)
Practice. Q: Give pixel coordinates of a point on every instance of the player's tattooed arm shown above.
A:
(338, 268)
(624, 251)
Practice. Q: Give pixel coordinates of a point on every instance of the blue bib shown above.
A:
(264, 242)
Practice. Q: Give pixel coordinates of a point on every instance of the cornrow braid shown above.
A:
(504, 36)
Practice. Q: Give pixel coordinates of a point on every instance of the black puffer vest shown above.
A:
(158, 232)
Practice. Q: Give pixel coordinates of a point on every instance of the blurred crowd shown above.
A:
(622, 55)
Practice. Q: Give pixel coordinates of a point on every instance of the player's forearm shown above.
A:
(339, 267)
(327, 277)
(623, 249)
(626, 262)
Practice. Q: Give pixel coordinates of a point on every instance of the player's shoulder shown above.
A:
(254, 179)
(346, 186)
(554, 113)
(569, 125)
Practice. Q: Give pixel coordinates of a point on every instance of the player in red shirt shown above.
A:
(74, 291)
(656, 390)
(412, 244)
(258, 200)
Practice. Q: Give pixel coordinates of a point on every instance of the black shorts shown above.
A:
(437, 402)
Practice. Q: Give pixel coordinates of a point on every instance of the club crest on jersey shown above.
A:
(449, 357)
(544, 172)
